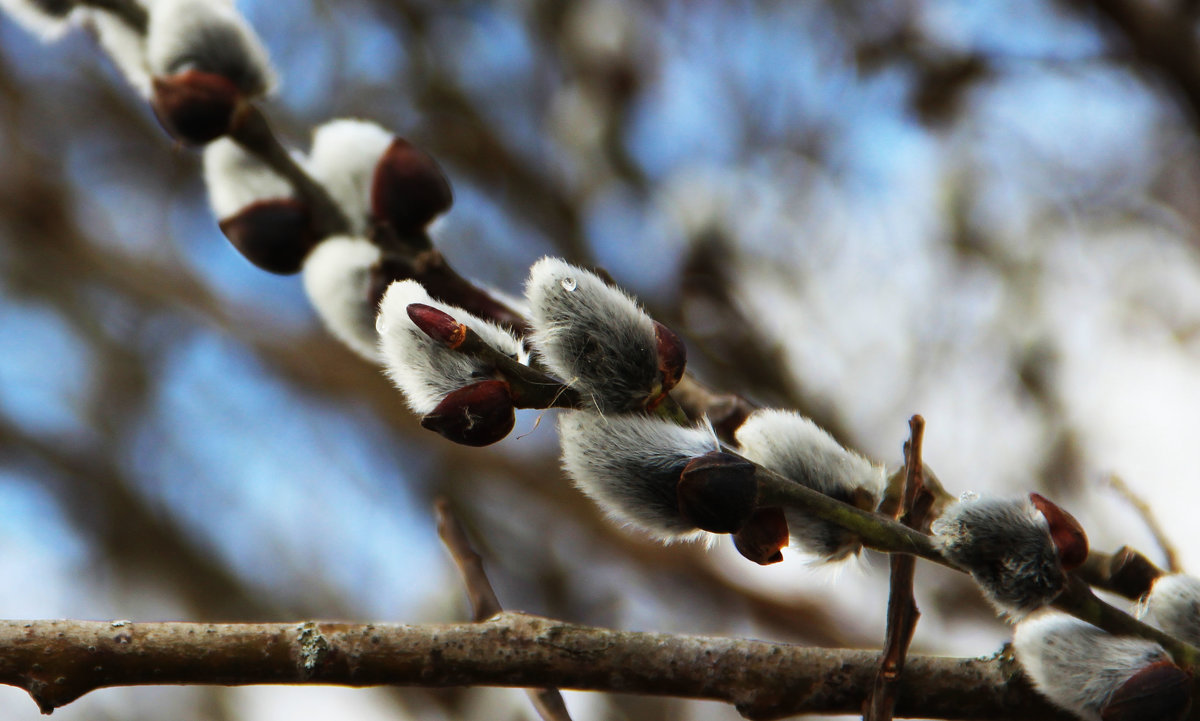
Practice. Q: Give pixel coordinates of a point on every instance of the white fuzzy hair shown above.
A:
(337, 278)
(793, 446)
(236, 179)
(1173, 605)
(125, 46)
(207, 35)
(343, 159)
(1006, 546)
(630, 466)
(593, 336)
(47, 19)
(423, 368)
(1076, 665)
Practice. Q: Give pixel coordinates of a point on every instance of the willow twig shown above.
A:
(902, 612)
(1170, 554)
(484, 601)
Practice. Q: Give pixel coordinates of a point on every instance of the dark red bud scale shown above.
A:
(717, 492)
(437, 324)
(764, 536)
(194, 106)
(272, 234)
(1066, 532)
(672, 356)
(476, 415)
(1160, 692)
(408, 189)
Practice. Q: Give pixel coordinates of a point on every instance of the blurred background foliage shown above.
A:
(982, 211)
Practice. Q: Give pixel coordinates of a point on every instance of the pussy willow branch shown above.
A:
(884, 534)
(253, 132)
(59, 661)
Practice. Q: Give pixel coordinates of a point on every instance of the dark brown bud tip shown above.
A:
(764, 536)
(672, 356)
(408, 189)
(194, 106)
(476, 415)
(1160, 692)
(272, 234)
(717, 492)
(437, 324)
(1065, 531)
(1132, 574)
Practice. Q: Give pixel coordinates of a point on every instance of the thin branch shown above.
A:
(902, 613)
(874, 530)
(59, 661)
(484, 603)
(1079, 601)
(1170, 554)
(253, 132)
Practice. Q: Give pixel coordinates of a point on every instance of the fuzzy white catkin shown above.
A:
(1173, 605)
(592, 336)
(343, 159)
(630, 465)
(207, 35)
(1076, 665)
(1006, 546)
(47, 19)
(337, 278)
(236, 179)
(423, 368)
(795, 447)
(126, 48)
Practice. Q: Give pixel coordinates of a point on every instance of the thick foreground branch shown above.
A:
(59, 661)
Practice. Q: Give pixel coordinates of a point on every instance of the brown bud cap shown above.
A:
(1065, 531)
(764, 536)
(437, 324)
(672, 356)
(476, 415)
(194, 106)
(272, 234)
(1132, 574)
(1160, 692)
(717, 492)
(408, 189)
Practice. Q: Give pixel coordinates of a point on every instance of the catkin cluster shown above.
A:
(352, 214)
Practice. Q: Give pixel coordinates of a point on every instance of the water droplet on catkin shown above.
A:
(568, 284)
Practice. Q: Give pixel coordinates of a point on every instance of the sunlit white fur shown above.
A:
(207, 35)
(124, 46)
(1005, 544)
(343, 159)
(630, 465)
(47, 19)
(423, 368)
(592, 336)
(337, 278)
(235, 178)
(1076, 665)
(794, 446)
(1173, 605)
